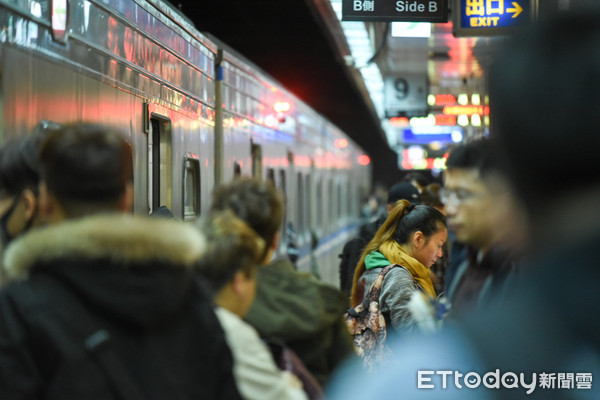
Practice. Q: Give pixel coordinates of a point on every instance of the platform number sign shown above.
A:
(401, 86)
(405, 94)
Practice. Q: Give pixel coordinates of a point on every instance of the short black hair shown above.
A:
(86, 164)
(484, 155)
(417, 177)
(257, 203)
(19, 166)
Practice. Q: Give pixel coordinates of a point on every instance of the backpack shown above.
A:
(366, 324)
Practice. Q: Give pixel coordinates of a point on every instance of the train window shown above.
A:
(160, 160)
(237, 170)
(331, 203)
(300, 204)
(256, 151)
(191, 187)
(271, 176)
(320, 204)
(283, 183)
(340, 202)
(283, 189)
(308, 202)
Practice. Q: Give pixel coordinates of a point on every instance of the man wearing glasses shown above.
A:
(483, 214)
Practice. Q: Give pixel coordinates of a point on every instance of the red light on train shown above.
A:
(281, 106)
(341, 143)
(364, 159)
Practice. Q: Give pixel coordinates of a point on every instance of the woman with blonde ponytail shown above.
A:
(412, 238)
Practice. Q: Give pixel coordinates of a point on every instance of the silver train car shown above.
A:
(196, 113)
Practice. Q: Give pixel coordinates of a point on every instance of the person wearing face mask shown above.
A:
(19, 180)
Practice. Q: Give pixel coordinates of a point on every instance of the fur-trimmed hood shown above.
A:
(124, 239)
(133, 268)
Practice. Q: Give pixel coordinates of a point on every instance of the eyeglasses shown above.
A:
(458, 195)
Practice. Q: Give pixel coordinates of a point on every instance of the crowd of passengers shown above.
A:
(99, 303)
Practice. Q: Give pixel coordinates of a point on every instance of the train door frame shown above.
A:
(256, 154)
(160, 181)
(291, 187)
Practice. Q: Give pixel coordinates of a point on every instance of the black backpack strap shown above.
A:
(98, 346)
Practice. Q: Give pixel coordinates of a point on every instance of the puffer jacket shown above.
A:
(109, 307)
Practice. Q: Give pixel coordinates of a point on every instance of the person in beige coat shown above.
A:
(230, 264)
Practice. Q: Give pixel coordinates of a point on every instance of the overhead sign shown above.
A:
(395, 10)
(405, 94)
(428, 134)
(491, 17)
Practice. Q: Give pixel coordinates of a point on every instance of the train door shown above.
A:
(160, 161)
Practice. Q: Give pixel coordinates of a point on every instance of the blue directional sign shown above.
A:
(491, 17)
(428, 134)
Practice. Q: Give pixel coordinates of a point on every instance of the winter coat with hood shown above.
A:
(109, 307)
(304, 313)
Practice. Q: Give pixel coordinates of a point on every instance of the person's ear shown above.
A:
(271, 249)
(238, 283)
(418, 239)
(30, 201)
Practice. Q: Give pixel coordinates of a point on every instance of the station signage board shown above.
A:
(395, 10)
(491, 17)
(405, 94)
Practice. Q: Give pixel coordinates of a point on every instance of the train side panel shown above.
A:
(141, 68)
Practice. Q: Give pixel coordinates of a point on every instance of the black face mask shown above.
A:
(5, 236)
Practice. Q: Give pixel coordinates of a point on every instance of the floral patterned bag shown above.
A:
(367, 325)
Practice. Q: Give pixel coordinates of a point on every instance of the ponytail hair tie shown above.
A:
(408, 209)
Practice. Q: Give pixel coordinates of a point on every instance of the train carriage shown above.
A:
(195, 112)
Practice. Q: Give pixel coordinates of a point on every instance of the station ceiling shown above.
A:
(302, 44)
(287, 40)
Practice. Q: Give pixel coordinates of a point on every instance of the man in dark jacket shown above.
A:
(483, 213)
(101, 304)
(290, 307)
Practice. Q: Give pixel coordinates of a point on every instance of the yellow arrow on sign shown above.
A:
(517, 9)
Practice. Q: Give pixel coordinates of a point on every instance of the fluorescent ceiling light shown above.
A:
(411, 29)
